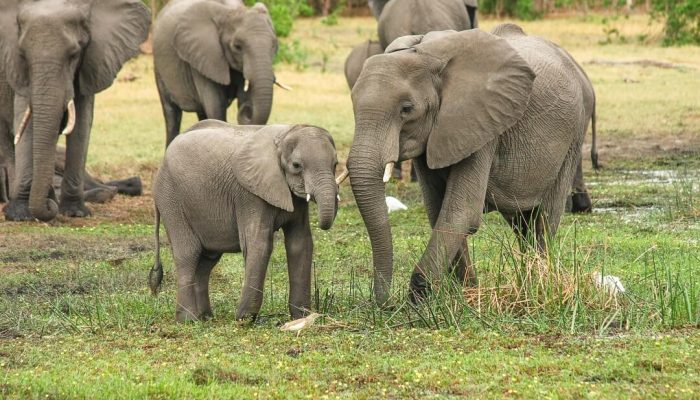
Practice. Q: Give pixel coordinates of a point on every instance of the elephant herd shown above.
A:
(491, 121)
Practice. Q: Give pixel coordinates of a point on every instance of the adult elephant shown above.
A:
(493, 119)
(57, 55)
(208, 53)
(95, 191)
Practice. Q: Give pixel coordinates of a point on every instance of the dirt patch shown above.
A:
(644, 147)
(22, 251)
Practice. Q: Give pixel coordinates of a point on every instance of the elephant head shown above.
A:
(298, 162)
(53, 51)
(441, 96)
(247, 43)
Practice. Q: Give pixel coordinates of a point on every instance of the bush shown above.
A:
(282, 13)
(682, 20)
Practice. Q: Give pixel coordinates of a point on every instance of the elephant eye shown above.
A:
(296, 165)
(406, 109)
(237, 47)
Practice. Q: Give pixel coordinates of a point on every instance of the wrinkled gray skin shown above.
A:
(227, 189)
(55, 51)
(203, 51)
(94, 190)
(493, 119)
(416, 17)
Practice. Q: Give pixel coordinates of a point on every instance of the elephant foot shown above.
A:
(581, 203)
(130, 186)
(419, 288)
(182, 315)
(246, 316)
(18, 210)
(100, 195)
(74, 210)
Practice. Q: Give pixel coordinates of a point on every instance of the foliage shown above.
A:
(282, 13)
(682, 20)
(522, 9)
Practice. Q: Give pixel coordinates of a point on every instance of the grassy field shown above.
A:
(77, 320)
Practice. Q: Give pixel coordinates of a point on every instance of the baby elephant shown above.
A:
(226, 189)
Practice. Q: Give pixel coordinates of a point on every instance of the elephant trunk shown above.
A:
(325, 195)
(48, 107)
(261, 80)
(366, 173)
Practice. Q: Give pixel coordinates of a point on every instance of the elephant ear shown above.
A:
(117, 28)
(486, 88)
(11, 64)
(197, 39)
(256, 164)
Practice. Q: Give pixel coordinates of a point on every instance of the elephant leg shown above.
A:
(201, 115)
(72, 201)
(7, 161)
(171, 112)
(433, 188)
(528, 227)
(256, 252)
(460, 215)
(299, 245)
(207, 261)
(212, 97)
(18, 207)
(580, 200)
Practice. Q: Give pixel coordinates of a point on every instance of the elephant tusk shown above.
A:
(387, 171)
(283, 86)
(246, 85)
(23, 124)
(308, 197)
(342, 177)
(71, 118)
(338, 197)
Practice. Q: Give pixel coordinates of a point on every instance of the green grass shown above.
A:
(77, 320)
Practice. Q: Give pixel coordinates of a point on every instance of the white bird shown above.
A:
(298, 324)
(612, 284)
(394, 204)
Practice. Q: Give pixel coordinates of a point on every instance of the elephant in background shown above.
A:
(227, 189)
(356, 59)
(377, 6)
(208, 53)
(95, 191)
(493, 119)
(57, 55)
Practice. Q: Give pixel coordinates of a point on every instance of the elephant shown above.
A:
(356, 59)
(57, 55)
(208, 53)
(95, 191)
(495, 119)
(411, 17)
(377, 6)
(223, 188)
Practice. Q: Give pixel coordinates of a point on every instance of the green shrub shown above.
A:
(282, 13)
(682, 20)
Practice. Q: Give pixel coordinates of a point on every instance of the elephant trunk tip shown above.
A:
(44, 213)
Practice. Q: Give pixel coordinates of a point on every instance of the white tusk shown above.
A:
(71, 118)
(338, 197)
(246, 85)
(283, 86)
(23, 124)
(308, 197)
(342, 177)
(387, 171)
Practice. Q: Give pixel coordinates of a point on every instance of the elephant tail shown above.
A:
(594, 146)
(155, 277)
